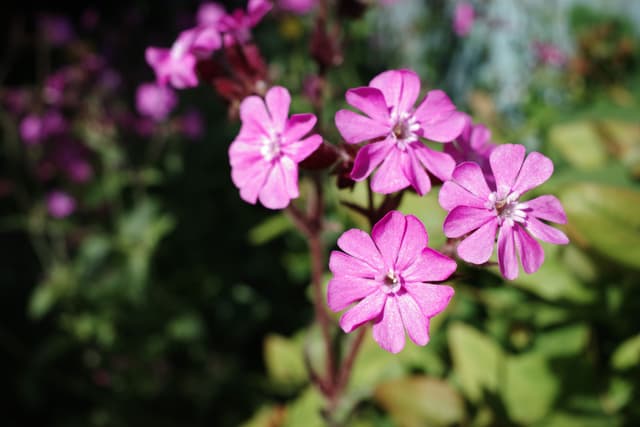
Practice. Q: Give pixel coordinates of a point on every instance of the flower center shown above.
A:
(405, 130)
(270, 147)
(508, 208)
(392, 281)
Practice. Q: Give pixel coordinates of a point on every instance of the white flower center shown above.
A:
(392, 281)
(405, 129)
(508, 208)
(270, 147)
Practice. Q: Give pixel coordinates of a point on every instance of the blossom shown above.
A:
(479, 212)
(385, 277)
(60, 204)
(191, 124)
(155, 101)
(473, 145)
(299, 7)
(175, 65)
(210, 14)
(238, 23)
(396, 128)
(34, 129)
(463, 18)
(265, 155)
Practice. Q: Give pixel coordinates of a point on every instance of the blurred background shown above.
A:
(137, 288)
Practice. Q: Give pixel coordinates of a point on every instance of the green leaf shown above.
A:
(529, 388)
(606, 219)
(269, 229)
(429, 211)
(186, 327)
(627, 354)
(566, 419)
(284, 360)
(476, 360)
(421, 401)
(579, 143)
(267, 416)
(306, 410)
(59, 282)
(566, 341)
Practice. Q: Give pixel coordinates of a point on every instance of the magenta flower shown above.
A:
(175, 65)
(265, 155)
(155, 101)
(478, 212)
(473, 145)
(210, 14)
(299, 7)
(463, 18)
(385, 277)
(60, 204)
(396, 128)
(238, 24)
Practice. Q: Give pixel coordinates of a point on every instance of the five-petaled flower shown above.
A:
(385, 277)
(175, 65)
(396, 128)
(265, 155)
(478, 211)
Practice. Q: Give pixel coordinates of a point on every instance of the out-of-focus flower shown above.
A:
(464, 16)
(176, 65)
(549, 54)
(155, 101)
(60, 204)
(192, 124)
(210, 14)
(473, 145)
(34, 129)
(396, 128)
(56, 29)
(71, 158)
(478, 212)
(265, 155)
(299, 7)
(237, 25)
(385, 277)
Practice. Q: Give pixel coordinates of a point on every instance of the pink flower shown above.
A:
(175, 65)
(463, 18)
(473, 145)
(210, 14)
(265, 155)
(478, 212)
(396, 128)
(60, 204)
(34, 129)
(238, 24)
(155, 101)
(299, 7)
(385, 277)
(549, 54)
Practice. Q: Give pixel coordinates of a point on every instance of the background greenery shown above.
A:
(166, 300)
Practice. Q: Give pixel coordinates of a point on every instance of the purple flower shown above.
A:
(265, 155)
(60, 204)
(396, 128)
(35, 129)
(385, 277)
(155, 101)
(478, 212)
(463, 18)
(473, 145)
(56, 29)
(192, 124)
(210, 14)
(238, 24)
(299, 7)
(175, 65)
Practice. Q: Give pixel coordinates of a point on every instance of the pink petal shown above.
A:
(251, 188)
(432, 299)
(369, 157)
(155, 55)
(478, 247)
(430, 266)
(248, 167)
(445, 130)
(414, 240)
(438, 163)
(278, 102)
(464, 219)
(480, 136)
(391, 84)
(370, 101)
(507, 253)
(254, 115)
(207, 40)
(358, 244)
(387, 235)
(413, 319)
(535, 170)
(300, 150)
(416, 175)
(530, 251)
(298, 126)
(548, 208)
(390, 176)
(388, 330)
(343, 291)
(469, 175)
(274, 194)
(439, 119)
(506, 161)
(356, 128)
(256, 9)
(546, 233)
(342, 264)
(290, 174)
(367, 309)
(452, 195)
